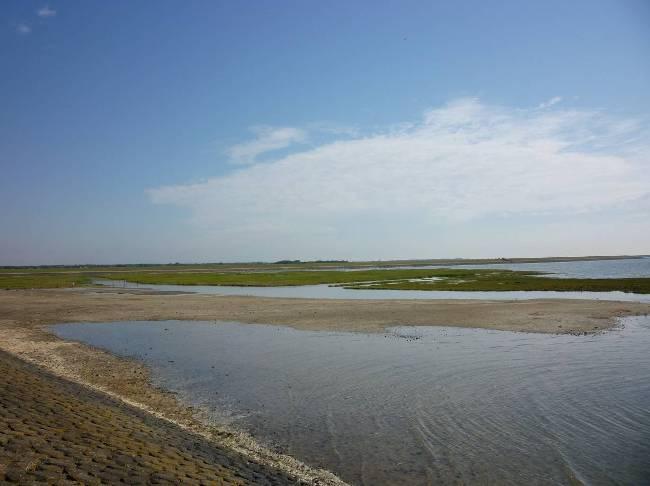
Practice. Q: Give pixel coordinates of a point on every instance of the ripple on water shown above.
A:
(416, 405)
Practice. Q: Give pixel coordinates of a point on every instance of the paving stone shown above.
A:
(54, 431)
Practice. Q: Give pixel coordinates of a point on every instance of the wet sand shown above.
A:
(33, 308)
(24, 316)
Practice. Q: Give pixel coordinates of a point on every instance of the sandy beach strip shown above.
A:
(25, 315)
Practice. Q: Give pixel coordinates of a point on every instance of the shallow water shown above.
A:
(609, 268)
(415, 405)
(328, 292)
(623, 268)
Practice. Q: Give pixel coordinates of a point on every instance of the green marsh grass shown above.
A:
(272, 275)
(42, 281)
(451, 279)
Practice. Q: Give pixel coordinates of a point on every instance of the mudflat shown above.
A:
(30, 308)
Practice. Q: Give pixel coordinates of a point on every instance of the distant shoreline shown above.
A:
(225, 266)
(439, 275)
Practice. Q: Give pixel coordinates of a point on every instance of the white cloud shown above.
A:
(392, 193)
(45, 12)
(267, 140)
(23, 29)
(548, 103)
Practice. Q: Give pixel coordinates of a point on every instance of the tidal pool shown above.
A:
(332, 292)
(416, 405)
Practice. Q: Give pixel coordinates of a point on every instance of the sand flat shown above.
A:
(37, 307)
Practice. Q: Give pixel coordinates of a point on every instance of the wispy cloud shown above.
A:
(548, 103)
(46, 12)
(465, 161)
(23, 29)
(267, 139)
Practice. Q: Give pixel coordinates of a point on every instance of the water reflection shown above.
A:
(415, 405)
(329, 292)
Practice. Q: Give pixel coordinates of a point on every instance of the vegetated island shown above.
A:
(268, 275)
(432, 279)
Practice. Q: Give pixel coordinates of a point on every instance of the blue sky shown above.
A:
(230, 131)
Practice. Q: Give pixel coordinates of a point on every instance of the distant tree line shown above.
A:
(285, 262)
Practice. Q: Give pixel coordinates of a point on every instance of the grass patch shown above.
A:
(42, 281)
(281, 278)
(520, 281)
(451, 279)
(395, 279)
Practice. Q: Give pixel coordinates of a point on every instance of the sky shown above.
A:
(210, 131)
